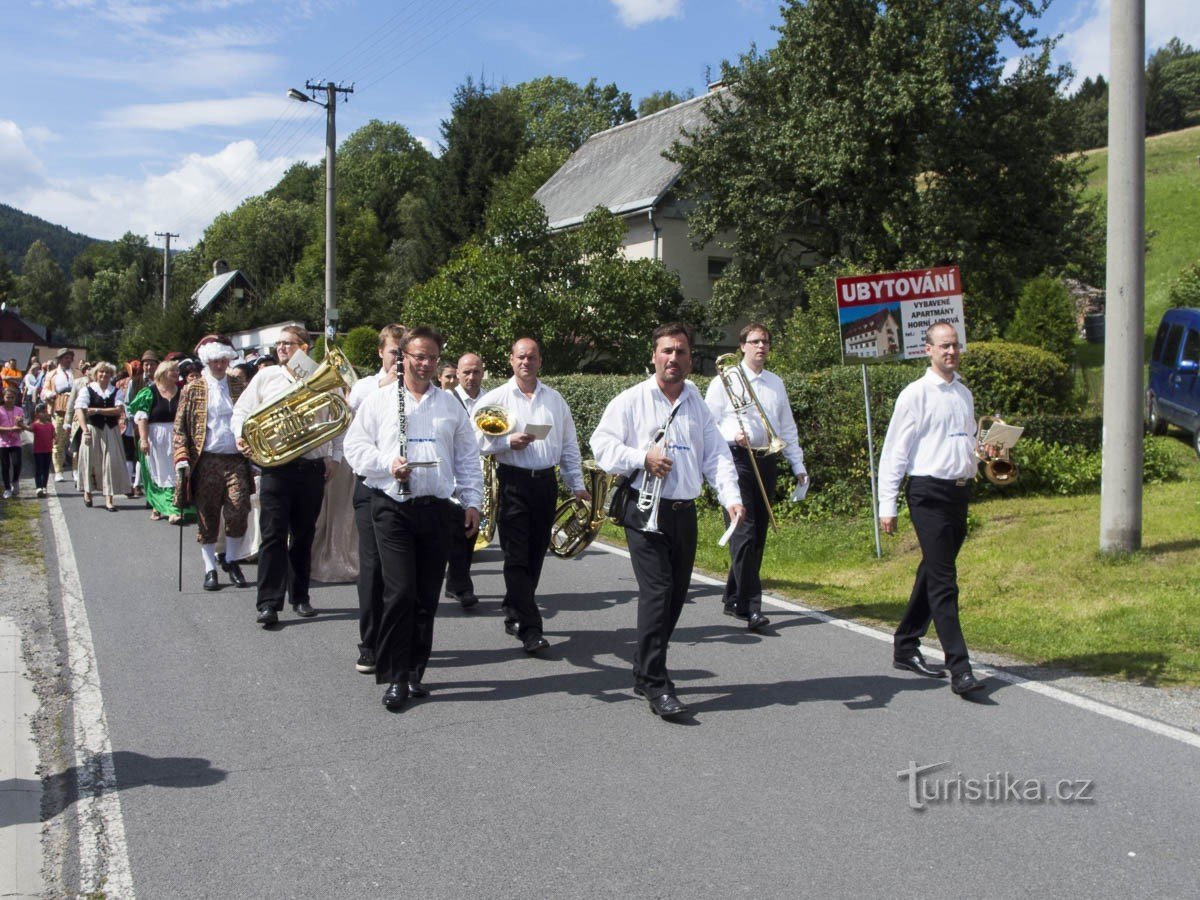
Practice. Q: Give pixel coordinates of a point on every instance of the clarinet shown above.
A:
(405, 487)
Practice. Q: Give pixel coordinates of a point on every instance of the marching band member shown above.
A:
(743, 586)
(411, 509)
(528, 488)
(290, 495)
(931, 438)
(211, 473)
(694, 449)
(370, 577)
(458, 568)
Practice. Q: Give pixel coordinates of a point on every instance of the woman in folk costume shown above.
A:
(207, 461)
(153, 411)
(100, 417)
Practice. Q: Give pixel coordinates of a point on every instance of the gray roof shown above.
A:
(621, 169)
(211, 289)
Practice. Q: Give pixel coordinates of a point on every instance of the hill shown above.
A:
(1172, 186)
(18, 230)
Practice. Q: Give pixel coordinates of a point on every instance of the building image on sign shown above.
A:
(873, 336)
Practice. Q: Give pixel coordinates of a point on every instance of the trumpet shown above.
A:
(998, 468)
(650, 494)
(743, 399)
(577, 522)
(494, 420)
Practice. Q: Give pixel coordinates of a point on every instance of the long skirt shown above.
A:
(158, 472)
(335, 542)
(102, 463)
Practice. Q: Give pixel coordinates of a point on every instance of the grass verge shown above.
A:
(22, 537)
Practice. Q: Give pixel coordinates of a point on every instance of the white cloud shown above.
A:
(634, 13)
(537, 45)
(19, 166)
(1085, 45)
(232, 112)
(184, 199)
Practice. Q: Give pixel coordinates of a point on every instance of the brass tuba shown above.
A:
(493, 420)
(287, 427)
(576, 522)
(491, 504)
(997, 467)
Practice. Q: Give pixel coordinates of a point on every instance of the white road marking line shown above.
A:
(103, 855)
(1094, 706)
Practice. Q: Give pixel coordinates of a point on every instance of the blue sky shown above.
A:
(155, 115)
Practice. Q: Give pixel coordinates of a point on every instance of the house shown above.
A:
(623, 169)
(20, 339)
(226, 284)
(873, 336)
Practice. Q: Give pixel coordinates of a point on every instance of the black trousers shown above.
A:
(41, 469)
(662, 564)
(462, 549)
(10, 465)
(527, 501)
(939, 514)
(412, 540)
(743, 586)
(370, 576)
(290, 498)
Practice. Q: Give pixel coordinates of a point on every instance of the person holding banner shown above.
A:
(931, 439)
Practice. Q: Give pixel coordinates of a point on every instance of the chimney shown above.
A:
(220, 267)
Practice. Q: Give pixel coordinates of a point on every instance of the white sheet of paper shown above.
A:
(539, 432)
(724, 539)
(1003, 436)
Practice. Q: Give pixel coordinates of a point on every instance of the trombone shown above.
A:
(743, 399)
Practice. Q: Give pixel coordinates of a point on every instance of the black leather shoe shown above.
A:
(267, 617)
(234, 571)
(756, 621)
(415, 688)
(667, 706)
(366, 662)
(965, 682)
(210, 581)
(467, 599)
(221, 560)
(534, 643)
(510, 627)
(396, 696)
(916, 663)
(304, 610)
(730, 611)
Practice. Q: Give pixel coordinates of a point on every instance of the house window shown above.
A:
(716, 267)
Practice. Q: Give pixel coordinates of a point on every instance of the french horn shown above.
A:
(998, 468)
(577, 522)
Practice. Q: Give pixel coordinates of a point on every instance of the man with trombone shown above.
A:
(746, 399)
(662, 436)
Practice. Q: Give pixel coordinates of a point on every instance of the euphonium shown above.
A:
(491, 504)
(997, 467)
(287, 427)
(577, 522)
(493, 420)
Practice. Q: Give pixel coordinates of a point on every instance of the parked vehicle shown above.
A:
(1173, 393)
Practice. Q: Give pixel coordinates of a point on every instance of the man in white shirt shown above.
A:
(458, 569)
(290, 495)
(412, 464)
(931, 439)
(59, 396)
(370, 575)
(743, 586)
(691, 449)
(528, 488)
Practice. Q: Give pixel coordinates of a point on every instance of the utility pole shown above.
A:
(1124, 327)
(331, 91)
(166, 265)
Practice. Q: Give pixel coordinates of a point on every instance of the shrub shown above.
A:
(1065, 469)
(1077, 430)
(1012, 379)
(1045, 318)
(361, 346)
(1186, 289)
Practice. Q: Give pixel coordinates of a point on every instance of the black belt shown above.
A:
(949, 482)
(424, 500)
(739, 449)
(517, 471)
(297, 464)
(678, 504)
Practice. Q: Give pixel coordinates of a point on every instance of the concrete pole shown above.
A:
(166, 266)
(1121, 481)
(331, 312)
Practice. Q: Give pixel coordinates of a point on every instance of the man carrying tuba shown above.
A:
(748, 434)
(290, 495)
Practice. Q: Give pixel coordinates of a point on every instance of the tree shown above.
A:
(265, 238)
(1045, 318)
(378, 165)
(560, 113)
(871, 135)
(1172, 86)
(42, 289)
(8, 282)
(660, 100)
(1089, 105)
(573, 291)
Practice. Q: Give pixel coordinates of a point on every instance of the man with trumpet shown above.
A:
(746, 399)
(684, 447)
(526, 456)
(931, 439)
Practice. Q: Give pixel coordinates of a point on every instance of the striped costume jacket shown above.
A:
(191, 421)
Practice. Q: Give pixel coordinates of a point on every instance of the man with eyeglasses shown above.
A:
(931, 439)
(431, 452)
(290, 495)
(526, 459)
(743, 585)
(370, 576)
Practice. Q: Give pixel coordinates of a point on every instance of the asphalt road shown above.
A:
(256, 763)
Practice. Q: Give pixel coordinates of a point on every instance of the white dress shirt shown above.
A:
(364, 388)
(218, 423)
(62, 382)
(437, 429)
(468, 404)
(932, 433)
(769, 389)
(695, 445)
(268, 384)
(547, 407)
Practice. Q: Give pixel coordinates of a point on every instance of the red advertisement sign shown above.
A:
(885, 316)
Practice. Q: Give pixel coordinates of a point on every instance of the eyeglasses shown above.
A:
(287, 343)
(758, 341)
(949, 345)
(421, 359)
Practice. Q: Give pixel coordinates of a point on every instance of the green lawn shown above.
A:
(1034, 585)
(19, 525)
